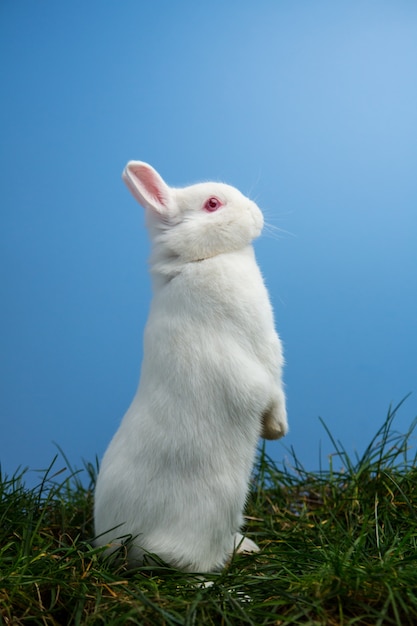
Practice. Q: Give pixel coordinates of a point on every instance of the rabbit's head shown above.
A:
(196, 222)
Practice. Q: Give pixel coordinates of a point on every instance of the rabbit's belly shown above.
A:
(195, 373)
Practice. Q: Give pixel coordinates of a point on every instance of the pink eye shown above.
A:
(212, 204)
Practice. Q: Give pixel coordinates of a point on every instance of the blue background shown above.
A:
(308, 107)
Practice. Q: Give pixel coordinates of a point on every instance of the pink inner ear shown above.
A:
(149, 182)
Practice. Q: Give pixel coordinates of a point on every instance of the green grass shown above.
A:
(338, 547)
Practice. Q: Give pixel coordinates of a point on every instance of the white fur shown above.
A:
(175, 476)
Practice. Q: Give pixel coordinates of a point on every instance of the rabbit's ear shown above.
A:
(147, 187)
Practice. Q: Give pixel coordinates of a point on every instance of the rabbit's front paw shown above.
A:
(274, 420)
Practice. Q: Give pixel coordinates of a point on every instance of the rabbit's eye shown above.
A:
(212, 204)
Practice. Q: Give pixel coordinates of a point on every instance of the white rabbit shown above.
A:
(175, 476)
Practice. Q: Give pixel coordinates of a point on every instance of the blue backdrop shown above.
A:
(308, 107)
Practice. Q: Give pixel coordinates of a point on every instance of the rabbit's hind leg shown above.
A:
(243, 544)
